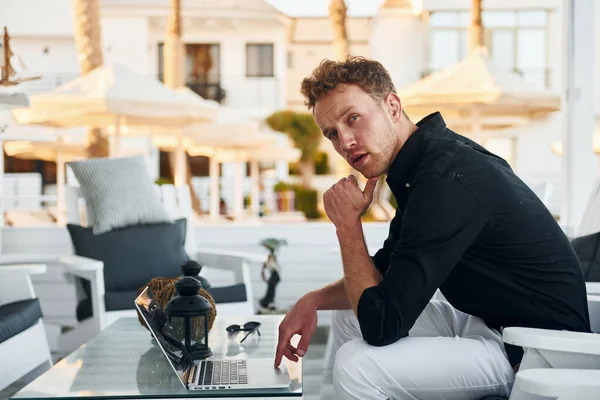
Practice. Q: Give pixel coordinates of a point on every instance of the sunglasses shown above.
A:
(249, 327)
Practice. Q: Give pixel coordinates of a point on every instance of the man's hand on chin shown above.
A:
(345, 203)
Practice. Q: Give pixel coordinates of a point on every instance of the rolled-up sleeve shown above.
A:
(441, 220)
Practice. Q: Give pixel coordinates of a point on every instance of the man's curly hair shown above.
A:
(370, 75)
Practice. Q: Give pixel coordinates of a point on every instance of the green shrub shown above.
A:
(306, 200)
(322, 163)
(281, 187)
(163, 181)
(294, 168)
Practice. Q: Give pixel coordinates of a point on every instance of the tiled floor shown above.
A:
(312, 370)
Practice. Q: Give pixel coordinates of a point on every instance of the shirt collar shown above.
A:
(405, 165)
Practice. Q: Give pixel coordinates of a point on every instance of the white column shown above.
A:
(180, 163)
(255, 188)
(61, 207)
(114, 141)
(238, 189)
(213, 190)
(578, 163)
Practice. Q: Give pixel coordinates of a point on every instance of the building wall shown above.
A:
(37, 18)
(488, 4)
(125, 41)
(252, 96)
(46, 54)
(311, 41)
(399, 40)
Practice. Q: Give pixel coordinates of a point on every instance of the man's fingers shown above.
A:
(370, 187)
(304, 339)
(293, 350)
(290, 356)
(278, 355)
(303, 345)
(282, 343)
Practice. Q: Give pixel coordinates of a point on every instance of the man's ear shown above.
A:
(394, 105)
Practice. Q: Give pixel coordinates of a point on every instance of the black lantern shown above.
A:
(188, 314)
(192, 268)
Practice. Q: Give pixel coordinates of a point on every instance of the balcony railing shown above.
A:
(209, 90)
(238, 90)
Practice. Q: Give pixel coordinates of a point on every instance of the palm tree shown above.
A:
(173, 60)
(337, 16)
(88, 41)
(306, 135)
(476, 30)
(174, 51)
(341, 47)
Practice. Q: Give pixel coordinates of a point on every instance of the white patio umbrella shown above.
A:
(228, 130)
(268, 146)
(113, 96)
(47, 151)
(476, 94)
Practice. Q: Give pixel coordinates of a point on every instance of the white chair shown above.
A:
(220, 267)
(550, 349)
(593, 288)
(558, 384)
(23, 346)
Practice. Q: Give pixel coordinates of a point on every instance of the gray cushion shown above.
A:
(133, 255)
(114, 301)
(18, 316)
(228, 294)
(118, 192)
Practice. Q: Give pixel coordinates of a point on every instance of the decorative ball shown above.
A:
(164, 289)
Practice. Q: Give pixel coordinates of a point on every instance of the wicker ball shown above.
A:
(164, 289)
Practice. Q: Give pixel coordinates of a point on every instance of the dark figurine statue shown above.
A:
(271, 266)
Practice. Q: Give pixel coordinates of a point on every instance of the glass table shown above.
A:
(124, 362)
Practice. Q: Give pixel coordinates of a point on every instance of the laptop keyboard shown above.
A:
(216, 373)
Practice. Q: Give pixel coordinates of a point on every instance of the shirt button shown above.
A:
(408, 185)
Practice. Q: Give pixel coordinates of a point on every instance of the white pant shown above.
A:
(448, 355)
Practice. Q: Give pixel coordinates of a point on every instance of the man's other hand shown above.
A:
(301, 320)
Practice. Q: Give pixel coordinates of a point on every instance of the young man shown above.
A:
(465, 224)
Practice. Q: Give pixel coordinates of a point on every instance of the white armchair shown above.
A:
(551, 350)
(223, 269)
(557, 384)
(23, 342)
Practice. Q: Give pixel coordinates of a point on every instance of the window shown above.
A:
(517, 41)
(202, 69)
(202, 62)
(259, 60)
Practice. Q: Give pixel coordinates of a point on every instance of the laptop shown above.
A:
(213, 374)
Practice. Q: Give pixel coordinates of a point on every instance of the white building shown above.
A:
(251, 57)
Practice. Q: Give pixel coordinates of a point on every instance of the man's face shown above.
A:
(359, 129)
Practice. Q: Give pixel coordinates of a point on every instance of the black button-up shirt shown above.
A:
(466, 224)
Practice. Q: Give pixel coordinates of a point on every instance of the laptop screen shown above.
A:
(168, 340)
